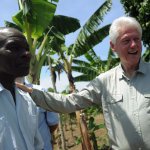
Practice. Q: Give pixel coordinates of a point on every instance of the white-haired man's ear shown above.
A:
(112, 45)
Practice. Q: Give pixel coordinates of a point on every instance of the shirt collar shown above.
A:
(1, 87)
(120, 72)
(141, 69)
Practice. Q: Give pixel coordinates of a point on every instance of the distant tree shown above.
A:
(140, 9)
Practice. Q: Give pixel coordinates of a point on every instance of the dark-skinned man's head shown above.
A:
(14, 53)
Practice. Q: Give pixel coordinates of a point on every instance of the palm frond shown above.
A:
(65, 24)
(85, 70)
(94, 21)
(84, 78)
(83, 45)
(84, 40)
(92, 57)
(81, 63)
(12, 25)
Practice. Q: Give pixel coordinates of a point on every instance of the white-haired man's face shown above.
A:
(128, 46)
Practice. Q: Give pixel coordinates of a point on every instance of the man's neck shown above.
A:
(8, 83)
(130, 70)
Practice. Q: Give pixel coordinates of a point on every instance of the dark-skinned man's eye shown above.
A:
(13, 47)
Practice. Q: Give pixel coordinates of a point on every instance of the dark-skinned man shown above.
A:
(18, 113)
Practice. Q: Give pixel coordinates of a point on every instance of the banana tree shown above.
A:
(33, 19)
(37, 21)
(53, 79)
(89, 36)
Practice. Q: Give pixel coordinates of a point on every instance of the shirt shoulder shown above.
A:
(25, 96)
(110, 73)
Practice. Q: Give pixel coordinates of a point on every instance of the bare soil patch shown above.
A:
(73, 137)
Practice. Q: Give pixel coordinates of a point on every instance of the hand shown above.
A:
(24, 87)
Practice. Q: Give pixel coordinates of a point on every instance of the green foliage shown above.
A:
(90, 34)
(50, 90)
(93, 66)
(44, 31)
(65, 24)
(33, 15)
(140, 9)
(92, 126)
(93, 110)
(146, 55)
(78, 140)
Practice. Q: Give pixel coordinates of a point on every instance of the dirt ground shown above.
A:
(71, 137)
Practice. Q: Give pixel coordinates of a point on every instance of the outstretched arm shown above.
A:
(65, 103)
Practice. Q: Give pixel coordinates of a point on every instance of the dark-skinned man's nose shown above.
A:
(26, 55)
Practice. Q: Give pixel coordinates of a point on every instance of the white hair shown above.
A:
(121, 22)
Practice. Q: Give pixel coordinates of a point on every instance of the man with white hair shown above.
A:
(123, 91)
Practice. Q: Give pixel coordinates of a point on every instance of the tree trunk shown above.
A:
(53, 79)
(86, 145)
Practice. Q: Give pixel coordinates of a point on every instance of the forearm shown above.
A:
(60, 103)
(64, 103)
(52, 102)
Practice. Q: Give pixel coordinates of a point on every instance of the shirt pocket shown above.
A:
(147, 98)
(116, 105)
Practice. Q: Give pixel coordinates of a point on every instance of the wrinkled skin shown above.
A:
(128, 46)
(14, 57)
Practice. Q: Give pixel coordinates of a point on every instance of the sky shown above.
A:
(80, 9)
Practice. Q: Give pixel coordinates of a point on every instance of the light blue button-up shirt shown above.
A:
(18, 122)
(46, 119)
